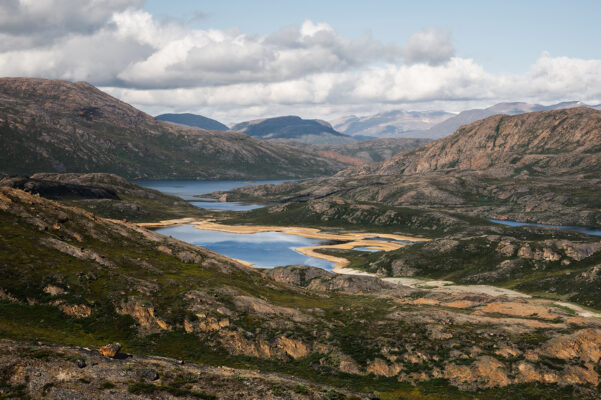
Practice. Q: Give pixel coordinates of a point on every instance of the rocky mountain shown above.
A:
(551, 143)
(447, 127)
(58, 126)
(538, 167)
(194, 120)
(69, 277)
(434, 124)
(390, 124)
(312, 131)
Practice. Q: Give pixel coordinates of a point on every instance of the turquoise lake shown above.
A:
(263, 249)
(581, 229)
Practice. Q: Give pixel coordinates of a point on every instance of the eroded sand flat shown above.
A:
(351, 239)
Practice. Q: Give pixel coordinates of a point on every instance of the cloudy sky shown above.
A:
(238, 60)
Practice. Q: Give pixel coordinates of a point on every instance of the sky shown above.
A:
(239, 60)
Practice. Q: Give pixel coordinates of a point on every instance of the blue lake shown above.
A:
(366, 249)
(263, 249)
(193, 191)
(581, 229)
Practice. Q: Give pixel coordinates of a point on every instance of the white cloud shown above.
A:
(43, 21)
(432, 46)
(308, 69)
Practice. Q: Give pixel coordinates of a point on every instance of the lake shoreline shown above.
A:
(350, 240)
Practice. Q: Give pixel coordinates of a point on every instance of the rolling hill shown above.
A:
(197, 121)
(59, 126)
(311, 131)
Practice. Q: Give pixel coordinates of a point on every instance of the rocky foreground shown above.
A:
(67, 372)
(68, 276)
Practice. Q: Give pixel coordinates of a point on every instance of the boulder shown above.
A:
(110, 350)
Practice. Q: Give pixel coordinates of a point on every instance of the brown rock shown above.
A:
(294, 348)
(382, 368)
(110, 350)
(76, 310)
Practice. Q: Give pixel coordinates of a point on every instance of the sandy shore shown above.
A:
(314, 233)
(351, 239)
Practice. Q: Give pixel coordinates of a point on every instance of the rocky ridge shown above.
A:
(107, 195)
(59, 126)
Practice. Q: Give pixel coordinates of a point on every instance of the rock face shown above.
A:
(59, 126)
(57, 190)
(110, 350)
(540, 143)
(319, 279)
(450, 125)
(107, 195)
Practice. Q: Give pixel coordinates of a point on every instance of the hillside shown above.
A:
(58, 126)
(447, 127)
(69, 277)
(197, 121)
(538, 167)
(310, 131)
(105, 195)
(547, 143)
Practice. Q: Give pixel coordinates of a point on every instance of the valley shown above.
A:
(99, 280)
(315, 200)
(401, 278)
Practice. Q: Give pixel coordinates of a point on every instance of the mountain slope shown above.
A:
(390, 124)
(542, 167)
(197, 121)
(450, 125)
(311, 131)
(105, 195)
(564, 141)
(58, 126)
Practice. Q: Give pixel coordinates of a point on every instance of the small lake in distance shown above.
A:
(581, 229)
(192, 191)
(263, 249)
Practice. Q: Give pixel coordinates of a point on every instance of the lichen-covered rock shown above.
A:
(110, 350)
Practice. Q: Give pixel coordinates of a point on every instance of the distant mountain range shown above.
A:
(434, 124)
(60, 126)
(194, 120)
(293, 128)
(396, 123)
